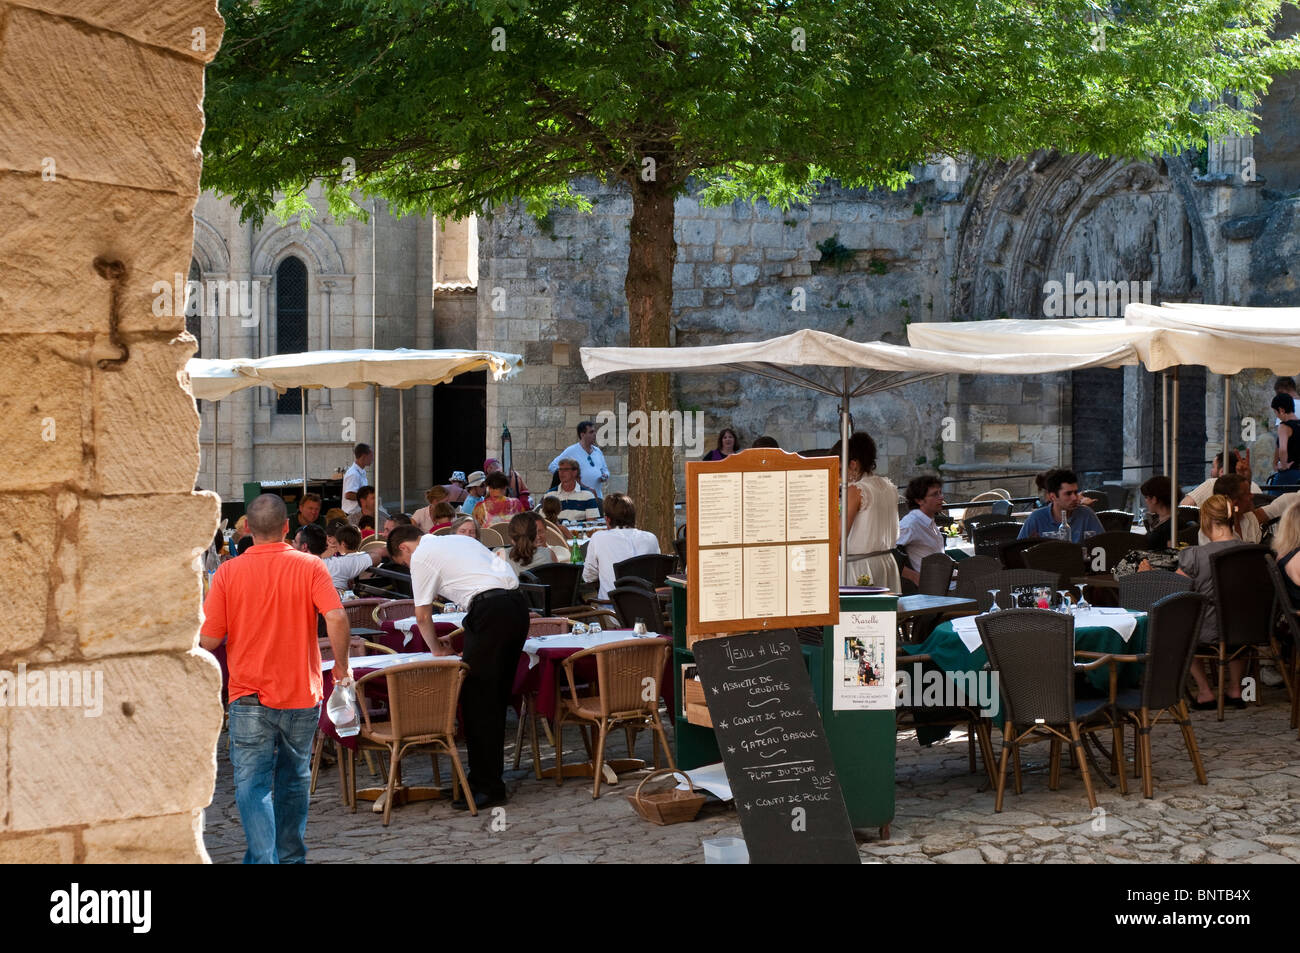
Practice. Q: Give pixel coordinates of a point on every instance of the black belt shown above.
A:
(493, 593)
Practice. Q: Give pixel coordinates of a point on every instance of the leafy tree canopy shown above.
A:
(454, 107)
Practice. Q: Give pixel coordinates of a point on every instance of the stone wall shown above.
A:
(99, 172)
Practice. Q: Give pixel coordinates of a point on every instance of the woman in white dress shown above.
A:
(872, 506)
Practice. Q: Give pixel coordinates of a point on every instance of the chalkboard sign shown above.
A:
(774, 749)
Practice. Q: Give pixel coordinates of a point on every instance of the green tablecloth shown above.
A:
(950, 655)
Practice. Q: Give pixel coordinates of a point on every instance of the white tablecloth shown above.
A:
(1121, 620)
(407, 625)
(570, 641)
(384, 661)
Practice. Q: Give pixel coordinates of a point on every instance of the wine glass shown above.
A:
(994, 607)
(1042, 598)
(1065, 607)
(1082, 604)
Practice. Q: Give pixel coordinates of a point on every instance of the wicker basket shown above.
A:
(667, 807)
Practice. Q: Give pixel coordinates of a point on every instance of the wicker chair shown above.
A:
(374, 543)
(971, 523)
(1033, 653)
(528, 701)
(1100, 498)
(393, 609)
(1139, 591)
(989, 536)
(622, 669)
(562, 580)
(422, 700)
(361, 612)
(974, 567)
(1172, 631)
(554, 535)
(1246, 608)
(1290, 622)
(653, 567)
(356, 646)
(1116, 521)
(1114, 546)
(1004, 580)
(633, 602)
(491, 537)
(936, 574)
(1059, 557)
(1012, 554)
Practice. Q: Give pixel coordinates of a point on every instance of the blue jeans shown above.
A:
(271, 748)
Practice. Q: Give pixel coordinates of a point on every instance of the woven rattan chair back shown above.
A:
(554, 537)
(632, 603)
(1100, 499)
(1059, 557)
(563, 578)
(973, 522)
(936, 574)
(622, 669)
(548, 626)
(394, 609)
(1032, 650)
(1139, 591)
(1243, 596)
(971, 571)
(988, 537)
(490, 537)
(374, 542)
(1004, 580)
(1116, 521)
(1012, 553)
(422, 697)
(654, 567)
(1113, 547)
(1173, 629)
(361, 612)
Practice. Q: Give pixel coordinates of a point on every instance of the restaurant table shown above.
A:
(912, 606)
(401, 634)
(541, 668)
(955, 646)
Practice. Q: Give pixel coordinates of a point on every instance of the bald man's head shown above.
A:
(267, 517)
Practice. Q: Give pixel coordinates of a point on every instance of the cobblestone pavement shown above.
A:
(1248, 813)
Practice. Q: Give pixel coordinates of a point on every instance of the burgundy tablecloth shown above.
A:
(394, 638)
(542, 678)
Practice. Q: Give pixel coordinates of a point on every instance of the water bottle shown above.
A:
(1063, 532)
(342, 709)
(575, 553)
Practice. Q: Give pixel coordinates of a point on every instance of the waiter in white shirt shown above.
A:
(355, 477)
(591, 461)
(463, 570)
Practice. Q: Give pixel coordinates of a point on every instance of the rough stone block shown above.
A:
(499, 268)
(145, 439)
(50, 257)
(112, 619)
(171, 26)
(697, 232)
(41, 423)
(150, 752)
(767, 234)
(744, 274)
(734, 233)
(29, 534)
(104, 125)
(58, 847)
(592, 402)
(695, 253)
(171, 839)
(716, 276)
(550, 248)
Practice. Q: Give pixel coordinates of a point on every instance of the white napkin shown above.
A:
(1121, 620)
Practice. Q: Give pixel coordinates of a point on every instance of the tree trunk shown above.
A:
(649, 286)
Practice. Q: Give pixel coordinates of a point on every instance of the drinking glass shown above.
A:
(994, 593)
(1042, 597)
(1065, 606)
(594, 628)
(1083, 604)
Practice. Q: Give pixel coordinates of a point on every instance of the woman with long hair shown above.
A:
(728, 443)
(528, 539)
(1286, 543)
(1218, 521)
(872, 508)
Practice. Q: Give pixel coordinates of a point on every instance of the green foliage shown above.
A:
(833, 253)
(878, 266)
(918, 209)
(437, 120)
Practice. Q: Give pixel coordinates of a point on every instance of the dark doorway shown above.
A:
(460, 425)
(1098, 424)
(1192, 466)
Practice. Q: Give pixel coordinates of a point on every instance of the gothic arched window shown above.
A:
(290, 322)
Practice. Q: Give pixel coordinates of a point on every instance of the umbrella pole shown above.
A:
(376, 449)
(1227, 417)
(1164, 419)
(401, 451)
(302, 407)
(1177, 494)
(844, 483)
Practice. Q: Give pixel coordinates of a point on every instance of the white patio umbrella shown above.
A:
(211, 379)
(865, 368)
(365, 367)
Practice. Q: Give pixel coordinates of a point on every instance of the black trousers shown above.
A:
(495, 629)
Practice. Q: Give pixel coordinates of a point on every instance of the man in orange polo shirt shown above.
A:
(264, 605)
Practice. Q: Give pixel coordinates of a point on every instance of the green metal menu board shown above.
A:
(858, 702)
